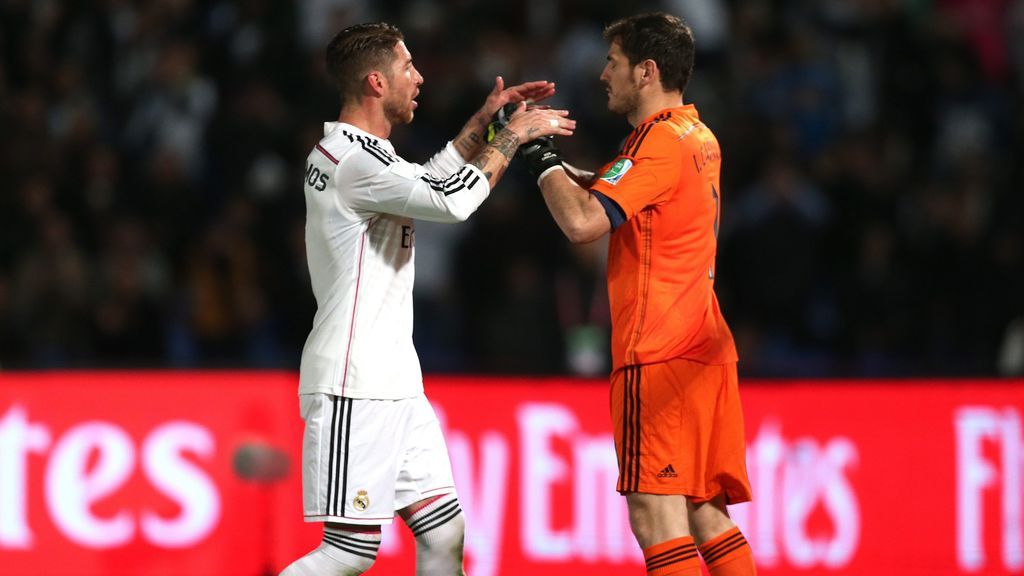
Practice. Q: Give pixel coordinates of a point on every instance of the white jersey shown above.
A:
(361, 199)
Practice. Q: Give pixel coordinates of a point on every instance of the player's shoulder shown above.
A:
(357, 148)
(656, 136)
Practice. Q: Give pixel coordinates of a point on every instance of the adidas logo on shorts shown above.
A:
(667, 472)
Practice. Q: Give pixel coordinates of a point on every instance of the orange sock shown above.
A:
(677, 556)
(728, 554)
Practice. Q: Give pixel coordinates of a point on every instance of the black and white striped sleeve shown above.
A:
(377, 181)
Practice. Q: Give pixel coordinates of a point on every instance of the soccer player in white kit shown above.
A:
(372, 444)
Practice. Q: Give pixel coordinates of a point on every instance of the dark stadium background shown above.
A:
(151, 159)
(154, 297)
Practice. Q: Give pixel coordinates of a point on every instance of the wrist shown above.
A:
(481, 119)
(549, 171)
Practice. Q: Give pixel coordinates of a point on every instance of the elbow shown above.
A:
(461, 214)
(580, 234)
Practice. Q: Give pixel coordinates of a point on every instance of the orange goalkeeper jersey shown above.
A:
(661, 260)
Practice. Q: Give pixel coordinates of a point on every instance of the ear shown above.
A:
(376, 83)
(647, 72)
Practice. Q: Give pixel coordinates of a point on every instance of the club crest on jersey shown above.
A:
(361, 501)
(617, 171)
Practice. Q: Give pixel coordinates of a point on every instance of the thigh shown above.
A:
(350, 456)
(424, 469)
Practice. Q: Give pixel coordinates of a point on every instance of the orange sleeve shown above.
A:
(645, 177)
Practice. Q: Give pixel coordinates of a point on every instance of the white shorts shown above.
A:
(362, 459)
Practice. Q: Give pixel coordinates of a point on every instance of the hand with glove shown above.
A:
(541, 156)
(537, 147)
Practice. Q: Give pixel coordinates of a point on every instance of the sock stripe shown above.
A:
(710, 559)
(680, 556)
(429, 516)
(440, 522)
(710, 549)
(717, 547)
(369, 546)
(444, 508)
(659, 555)
(352, 550)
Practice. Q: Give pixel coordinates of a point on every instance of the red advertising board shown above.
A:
(177, 473)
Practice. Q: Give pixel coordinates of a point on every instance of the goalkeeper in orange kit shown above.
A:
(675, 401)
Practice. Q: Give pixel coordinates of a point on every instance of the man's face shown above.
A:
(619, 81)
(403, 86)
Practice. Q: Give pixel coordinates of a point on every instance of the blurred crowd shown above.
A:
(152, 152)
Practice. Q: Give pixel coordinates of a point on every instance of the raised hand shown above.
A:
(535, 91)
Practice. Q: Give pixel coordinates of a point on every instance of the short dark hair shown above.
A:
(657, 36)
(356, 51)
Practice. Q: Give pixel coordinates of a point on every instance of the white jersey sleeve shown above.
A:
(380, 181)
(445, 163)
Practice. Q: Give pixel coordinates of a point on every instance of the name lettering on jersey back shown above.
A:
(709, 152)
(315, 178)
(408, 236)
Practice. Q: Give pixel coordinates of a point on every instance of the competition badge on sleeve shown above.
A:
(617, 171)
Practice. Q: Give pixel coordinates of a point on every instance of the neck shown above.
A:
(654, 102)
(368, 116)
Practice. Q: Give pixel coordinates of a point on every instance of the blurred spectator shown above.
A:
(133, 282)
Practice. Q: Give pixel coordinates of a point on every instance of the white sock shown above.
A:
(439, 528)
(342, 553)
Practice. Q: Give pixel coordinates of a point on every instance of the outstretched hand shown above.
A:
(529, 124)
(526, 92)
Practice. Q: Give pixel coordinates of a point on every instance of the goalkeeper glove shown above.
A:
(540, 156)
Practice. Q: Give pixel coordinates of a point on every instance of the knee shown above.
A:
(344, 551)
(439, 529)
(446, 533)
(709, 519)
(657, 518)
(328, 560)
(641, 523)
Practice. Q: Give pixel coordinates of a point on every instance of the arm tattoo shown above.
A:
(483, 158)
(506, 142)
(468, 144)
(495, 157)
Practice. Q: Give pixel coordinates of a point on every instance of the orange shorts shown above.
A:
(679, 430)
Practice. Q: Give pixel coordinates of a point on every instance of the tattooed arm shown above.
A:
(525, 125)
(471, 137)
(494, 159)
